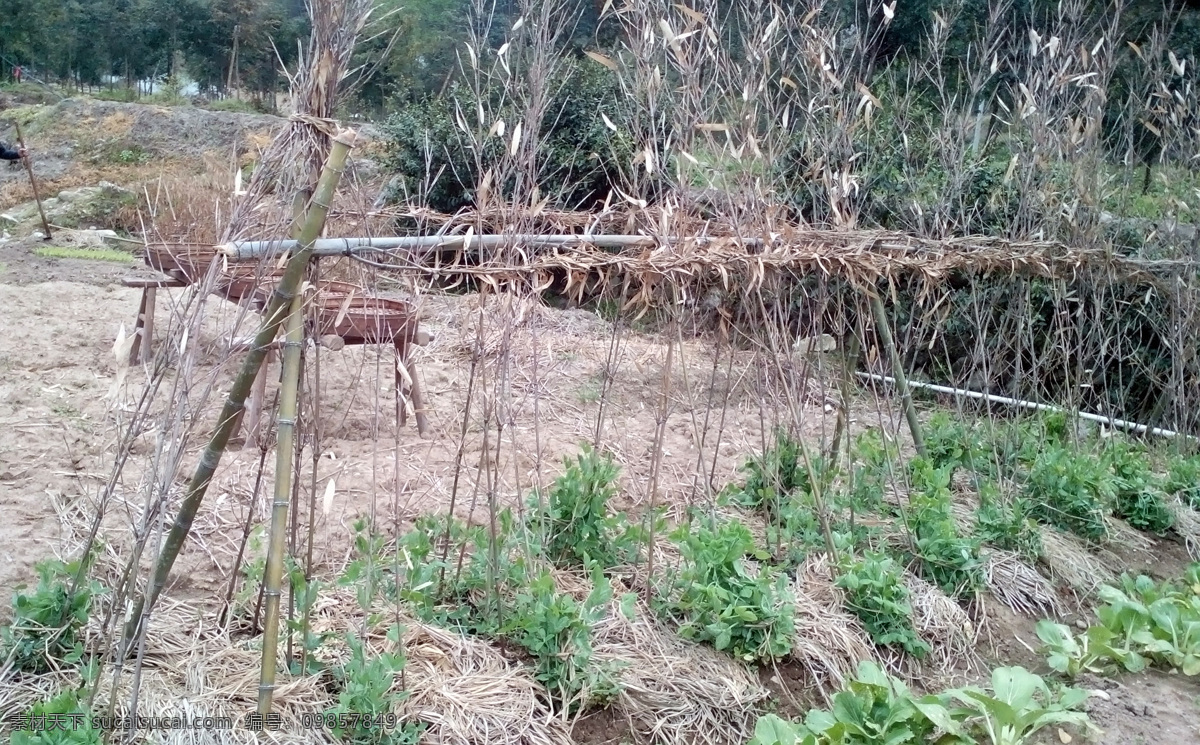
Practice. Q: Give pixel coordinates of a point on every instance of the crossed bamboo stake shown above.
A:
(286, 305)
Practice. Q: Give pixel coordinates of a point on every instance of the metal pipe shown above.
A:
(254, 250)
(1121, 423)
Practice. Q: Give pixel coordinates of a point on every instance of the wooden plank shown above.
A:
(144, 282)
(418, 400)
(254, 407)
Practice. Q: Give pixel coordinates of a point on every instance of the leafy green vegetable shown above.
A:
(718, 599)
(876, 594)
(1019, 705)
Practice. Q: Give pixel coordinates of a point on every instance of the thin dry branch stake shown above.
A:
(884, 329)
(281, 302)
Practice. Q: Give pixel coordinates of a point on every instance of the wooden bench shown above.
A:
(339, 322)
(143, 330)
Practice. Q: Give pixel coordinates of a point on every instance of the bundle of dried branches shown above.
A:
(1019, 586)
(672, 691)
(467, 693)
(943, 624)
(1187, 525)
(829, 642)
(1070, 562)
(292, 163)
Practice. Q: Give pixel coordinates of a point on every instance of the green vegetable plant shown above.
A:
(951, 443)
(1007, 525)
(1141, 622)
(874, 708)
(578, 528)
(877, 709)
(1018, 706)
(1183, 479)
(1070, 491)
(1071, 654)
(75, 728)
(555, 630)
(946, 558)
(505, 593)
(368, 695)
(772, 477)
(46, 623)
(1137, 491)
(716, 597)
(872, 454)
(876, 594)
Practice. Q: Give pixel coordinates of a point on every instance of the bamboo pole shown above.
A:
(285, 478)
(884, 329)
(32, 181)
(285, 440)
(255, 250)
(281, 302)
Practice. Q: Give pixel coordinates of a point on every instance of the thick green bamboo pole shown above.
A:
(278, 309)
(884, 329)
(285, 450)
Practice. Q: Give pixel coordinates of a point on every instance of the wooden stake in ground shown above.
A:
(32, 181)
(277, 311)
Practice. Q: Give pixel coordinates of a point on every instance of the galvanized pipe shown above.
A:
(255, 250)
(1116, 423)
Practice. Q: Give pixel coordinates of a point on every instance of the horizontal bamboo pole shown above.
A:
(255, 250)
(964, 393)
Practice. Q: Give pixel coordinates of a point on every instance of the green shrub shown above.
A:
(717, 598)
(1070, 491)
(876, 594)
(46, 623)
(233, 105)
(579, 158)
